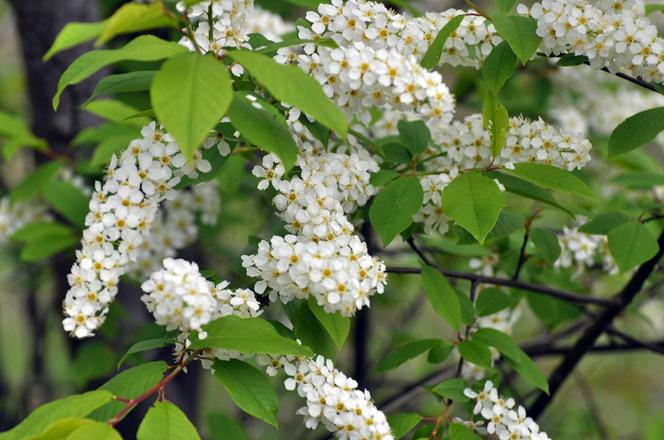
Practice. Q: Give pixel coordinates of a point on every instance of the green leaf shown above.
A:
(546, 243)
(639, 179)
(396, 153)
(414, 135)
(94, 430)
(451, 389)
(498, 67)
(496, 121)
(143, 48)
(603, 223)
(505, 5)
(190, 94)
(337, 326)
(383, 177)
(249, 389)
(508, 222)
(77, 428)
(636, 130)
(263, 125)
(38, 250)
(395, 205)
(148, 344)
(165, 421)
(401, 424)
(654, 8)
(251, 335)
(442, 296)
(134, 17)
(508, 348)
(551, 311)
(440, 352)
(492, 300)
(310, 331)
(520, 32)
(79, 405)
(129, 384)
(42, 231)
(457, 431)
(291, 85)
(18, 135)
(476, 353)
(631, 244)
(406, 352)
(73, 34)
(554, 178)
(223, 427)
(434, 52)
(570, 59)
(36, 181)
(526, 189)
(68, 201)
(61, 429)
(93, 360)
(138, 81)
(474, 202)
(115, 111)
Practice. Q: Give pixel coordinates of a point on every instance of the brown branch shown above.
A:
(545, 290)
(587, 340)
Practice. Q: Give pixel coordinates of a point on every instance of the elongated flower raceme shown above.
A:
(122, 210)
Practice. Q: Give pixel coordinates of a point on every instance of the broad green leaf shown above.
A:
(395, 205)
(263, 125)
(38, 250)
(108, 147)
(467, 309)
(546, 243)
(414, 135)
(42, 231)
(249, 389)
(93, 360)
(165, 421)
(508, 222)
(636, 130)
(190, 94)
(138, 81)
(570, 59)
(396, 153)
(639, 179)
(498, 67)
(442, 296)
(129, 384)
(457, 431)
(551, 311)
(603, 223)
(519, 32)
(79, 405)
(115, 111)
(505, 5)
(451, 389)
(143, 48)
(291, 85)
(510, 349)
(68, 201)
(434, 52)
(149, 344)
(383, 177)
(134, 17)
(35, 182)
(336, 325)
(653, 8)
(496, 121)
(476, 353)
(552, 177)
(529, 190)
(73, 34)
(61, 429)
(406, 352)
(631, 244)
(474, 202)
(96, 431)
(310, 331)
(401, 424)
(440, 352)
(18, 135)
(492, 300)
(251, 335)
(223, 427)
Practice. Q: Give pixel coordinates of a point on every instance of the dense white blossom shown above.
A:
(15, 215)
(584, 251)
(503, 417)
(332, 398)
(614, 34)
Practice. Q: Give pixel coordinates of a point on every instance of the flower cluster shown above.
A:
(122, 210)
(584, 251)
(504, 419)
(612, 34)
(381, 28)
(175, 227)
(15, 215)
(333, 399)
(180, 298)
(322, 256)
(467, 144)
